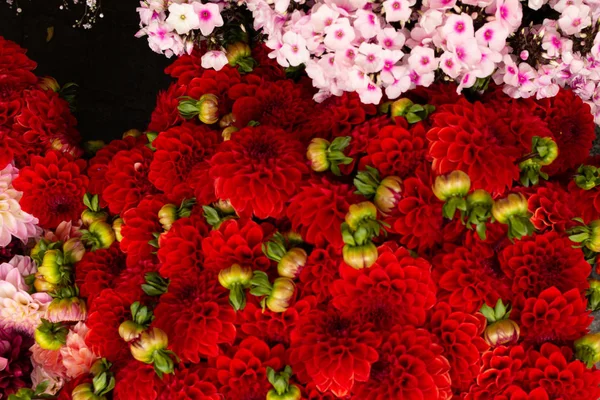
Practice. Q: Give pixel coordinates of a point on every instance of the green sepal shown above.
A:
(281, 380)
(367, 182)
(237, 297)
(141, 315)
(155, 284)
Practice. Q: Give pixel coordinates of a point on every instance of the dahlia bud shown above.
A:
(99, 235)
(73, 250)
(281, 295)
(544, 152)
(593, 295)
(151, 348)
(227, 120)
(103, 383)
(360, 213)
(412, 112)
(452, 189)
(141, 317)
(38, 251)
(85, 391)
(282, 390)
(479, 211)
(134, 133)
(91, 147)
(588, 177)
(237, 280)
(227, 132)
(323, 155)
(206, 108)
(225, 207)
(502, 333)
(48, 83)
(292, 263)
(52, 269)
(388, 194)
(587, 349)
(167, 215)
(360, 256)
(41, 285)
(66, 306)
(116, 226)
(513, 211)
(50, 336)
(587, 235)
(88, 216)
(400, 107)
(545, 148)
(239, 55)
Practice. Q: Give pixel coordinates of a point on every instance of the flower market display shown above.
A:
(251, 243)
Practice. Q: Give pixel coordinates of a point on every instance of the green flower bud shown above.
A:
(455, 184)
(50, 336)
(400, 107)
(167, 215)
(388, 194)
(502, 333)
(52, 269)
(67, 309)
(116, 226)
(587, 349)
(73, 250)
(88, 216)
(317, 155)
(237, 279)
(292, 263)
(588, 177)
(587, 235)
(360, 213)
(48, 83)
(593, 295)
(323, 155)
(99, 235)
(282, 389)
(360, 256)
(151, 348)
(513, 211)
(132, 133)
(85, 391)
(239, 55)
(129, 330)
(281, 295)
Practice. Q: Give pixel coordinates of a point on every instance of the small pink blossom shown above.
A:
(77, 357)
(509, 13)
(371, 94)
(423, 60)
(214, 59)
(294, 49)
(561, 5)
(182, 18)
(492, 34)
(369, 58)
(574, 19)
(431, 20)
(466, 51)
(458, 27)
(390, 38)
(210, 17)
(322, 17)
(397, 10)
(441, 4)
(367, 24)
(339, 35)
(450, 65)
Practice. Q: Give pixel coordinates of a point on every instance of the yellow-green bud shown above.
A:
(85, 391)
(132, 133)
(48, 83)
(388, 193)
(455, 184)
(292, 263)
(100, 235)
(317, 155)
(51, 268)
(167, 215)
(116, 226)
(235, 275)
(513, 204)
(227, 120)
(587, 349)
(209, 109)
(73, 250)
(151, 341)
(502, 333)
(129, 330)
(361, 256)
(50, 336)
(400, 107)
(360, 212)
(281, 295)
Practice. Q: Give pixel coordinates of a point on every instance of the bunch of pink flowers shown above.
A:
(378, 48)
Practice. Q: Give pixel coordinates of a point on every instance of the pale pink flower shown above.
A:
(369, 58)
(492, 34)
(371, 94)
(458, 27)
(509, 13)
(210, 17)
(39, 375)
(431, 20)
(162, 39)
(11, 274)
(214, 59)
(339, 35)
(150, 11)
(450, 65)
(182, 18)
(466, 81)
(13, 221)
(77, 357)
(322, 17)
(281, 6)
(561, 5)
(397, 10)
(19, 309)
(24, 264)
(367, 24)
(401, 83)
(466, 51)
(487, 64)
(552, 43)
(574, 19)
(536, 4)
(390, 38)
(65, 231)
(521, 83)
(294, 49)
(346, 57)
(47, 366)
(422, 60)
(390, 59)
(547, 86)
(441, 4)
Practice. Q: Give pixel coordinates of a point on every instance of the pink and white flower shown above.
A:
(183, 18)
(209, 16)
(214, 59)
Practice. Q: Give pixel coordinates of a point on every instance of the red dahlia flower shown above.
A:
(459, 333)
(398, 151)
(333, 351)
(474, 139)
(552, 316)
(98, 270)
(411, 365)
(319, 209)
(418, 218)
(396, 291)
(105, 315)
(127, 177)
(196, 315)
(543, 261)
(552, 208)
(572, 121)
(178, 151)
(53, 187)
(364, 133)
(166, 114)
(218, 83)
(186, 67)
(136, 380)
(470, 276)
(258, 170)
(193, 383)
(437, 94)
(15, 66)
(139, 225)
(237, 242)
(180, 252)
(319, 273)
(243, 373)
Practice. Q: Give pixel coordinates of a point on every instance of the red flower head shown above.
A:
(217, 83)
(139, 225)
(132, 278)
(319, 273)
(186, 67)
(166, 114)
(470, 276)
(98, 166)
(336, 116)
(573, 122)
(15, 67)
(319, 209)
(237, 242)
(459, 334)
(410, 366)
(397, 290)
(398, 151)
(243, 374)
(546, 260)
(258, 170)
(98, 270)
(437, 94)
(180, 252)
(16, 357)
(552, 316)
(196, 315)
(419, 217)
(333, 351)
(552, 208)
(106, 313)
(362, 135)
(268, 68)
(127, 177)
(45, 122)
(178, 151)
(11, 100)
(193, 383)
(137, 380)
(53, 187)
(475, 139)
(67, 389)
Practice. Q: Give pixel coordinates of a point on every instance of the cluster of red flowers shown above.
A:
(260, 272)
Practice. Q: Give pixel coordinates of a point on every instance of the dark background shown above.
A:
(118, 75)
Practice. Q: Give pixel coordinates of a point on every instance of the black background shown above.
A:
(119, 76)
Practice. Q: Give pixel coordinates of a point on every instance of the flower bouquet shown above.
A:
(252, 243)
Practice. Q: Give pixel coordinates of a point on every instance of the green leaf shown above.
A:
(578, 238)
(412, 118)
(488, 313)
(340, 143)
(481, 230)
(499, 310)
